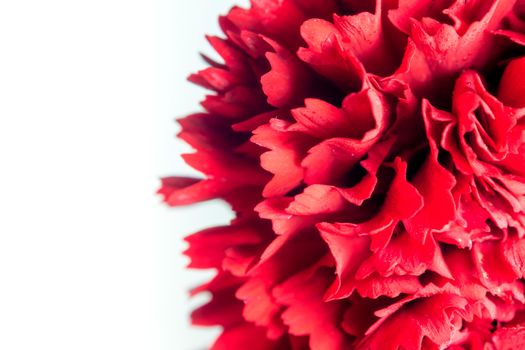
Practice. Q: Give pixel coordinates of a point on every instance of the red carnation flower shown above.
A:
(374, 155)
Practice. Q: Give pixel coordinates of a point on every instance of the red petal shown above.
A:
(288, 82)
(217, 79)
(326, 54)
(238, 103)
(512, 338)
(511, 90)
(514, 254)
(207, 247)
(435, 185)
(283, 160)
(260, 306)
(490, 262)
(226, 172)
(416, 9)
(362, 35)
(283, 223)
(308, 314)
(403, 255)
(375, 286)
(321, 119)
(279, 19)
(246, 336)
(432, 321)
(349, 252)
(207, 132)
(317, 199)
(365, 109)
(223, 309)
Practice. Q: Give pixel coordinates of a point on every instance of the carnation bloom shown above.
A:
(373, 152)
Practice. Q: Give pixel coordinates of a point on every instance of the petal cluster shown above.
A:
(374, 155)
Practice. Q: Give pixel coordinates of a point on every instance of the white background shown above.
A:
(89, 258)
